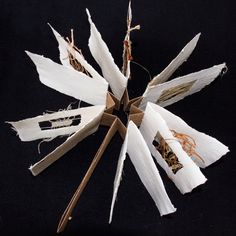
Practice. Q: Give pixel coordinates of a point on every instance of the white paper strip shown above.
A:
(89, 128)
(56, 124)
(118, 176)
(143, 162)
(172, 91)
(189, 176)
(208, 148)
(64, 48)
(70, 81)
(103, 57)
(176, 63)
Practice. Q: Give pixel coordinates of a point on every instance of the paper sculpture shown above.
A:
(152, 132)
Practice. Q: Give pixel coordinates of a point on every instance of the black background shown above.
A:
(33, 205)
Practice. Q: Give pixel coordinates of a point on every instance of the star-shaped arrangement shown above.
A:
(152, 131)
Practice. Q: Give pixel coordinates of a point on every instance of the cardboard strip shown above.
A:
(52, 125)
(71, 142)
(107, 120)
(125, 99)
(121, 128)
(127, 103)
(134, 107)
(116, 101)
(135, 113)
(68, 211)
(136, 118)
(110, 104)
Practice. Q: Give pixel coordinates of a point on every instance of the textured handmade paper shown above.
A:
(198, 79)
(163, 139)
(65, 48)
(176, 63)
(208, 148)
(69, 81)
(103, 57)
(188, 177)
(143, 162)
(56, 124)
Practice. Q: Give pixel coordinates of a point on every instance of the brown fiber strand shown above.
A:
(187, 143)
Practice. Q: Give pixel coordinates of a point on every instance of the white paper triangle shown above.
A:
(56, 124)
(176, 63)
(188, 177)
(103, 57)
(142, 160)
(87, 129)
(174, 90)
(69, 81)
(209, 148)
(64, 48)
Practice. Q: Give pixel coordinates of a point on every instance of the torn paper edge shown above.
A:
(29, 129)
(176, 62)
(69, 81)
(187, 178)
(64, 48)
(145, 167)
(102, 55)
(71, 142)
(118, 175)
(215, 147)
(200, 79)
